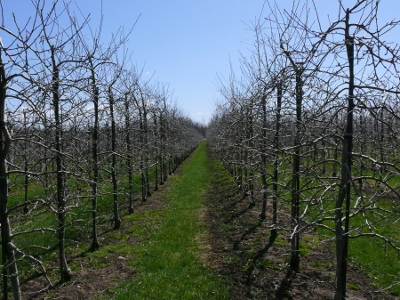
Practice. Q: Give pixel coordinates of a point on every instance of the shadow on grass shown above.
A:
(284, 288)
(248, 232)
(258, 256)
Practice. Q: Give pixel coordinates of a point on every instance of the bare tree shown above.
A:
(8, 254)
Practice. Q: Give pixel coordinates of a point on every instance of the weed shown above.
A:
(305, 248)
(267, 264)
(280, 241)
(230, 260)
(318, 264)
(353, 287)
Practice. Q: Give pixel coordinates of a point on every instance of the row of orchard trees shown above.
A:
(313, 122)
(81, 134)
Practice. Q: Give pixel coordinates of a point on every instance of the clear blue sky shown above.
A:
(186, 43)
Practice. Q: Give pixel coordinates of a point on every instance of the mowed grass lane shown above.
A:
(169, 266)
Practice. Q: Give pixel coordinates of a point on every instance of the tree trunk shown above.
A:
(274, 232)
(117, 218)
(382, 169)
(344, 192)
(335, 151)
(142, 163)
(295, 241)
(7, 252)
(45, 159)
(250, 178)
(264, 157)
(360, 180)
(95, 149)
(324, 153)
(129, 154)
(146, 154)
(26, 177)
(61, 182)
(161, 150)
(156, 153)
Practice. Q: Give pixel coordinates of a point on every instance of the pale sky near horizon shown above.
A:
(186, 43)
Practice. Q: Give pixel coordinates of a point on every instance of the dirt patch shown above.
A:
(242, 253)
(86, 283)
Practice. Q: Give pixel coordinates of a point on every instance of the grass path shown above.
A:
(169, 266)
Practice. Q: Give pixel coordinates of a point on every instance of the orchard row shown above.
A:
(312, 125)
(84, 133)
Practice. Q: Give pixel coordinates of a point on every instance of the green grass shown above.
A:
(169, 265)
(381, 264)
(376, 257)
